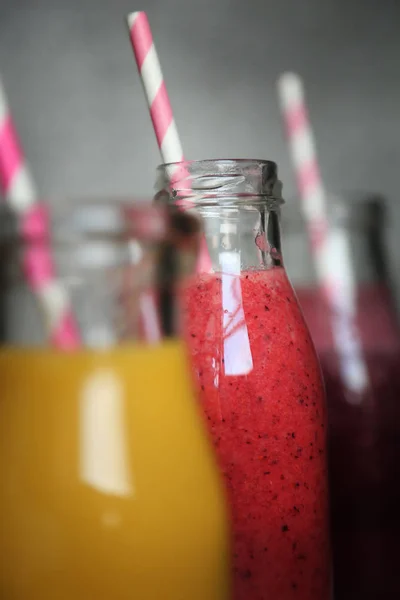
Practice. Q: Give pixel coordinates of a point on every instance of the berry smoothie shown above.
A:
(261, 390)
(364, 446)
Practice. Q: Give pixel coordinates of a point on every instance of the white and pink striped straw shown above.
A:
(330, 245)
(20, 194)
(158, 101)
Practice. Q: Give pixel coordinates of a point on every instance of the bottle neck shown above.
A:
(247, 234)
(239, 201)
(112, 270)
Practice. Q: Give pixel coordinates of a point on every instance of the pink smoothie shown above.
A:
(268, 424)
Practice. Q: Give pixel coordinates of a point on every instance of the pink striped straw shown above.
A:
(329, 245)
(20, 194)
(158, 101)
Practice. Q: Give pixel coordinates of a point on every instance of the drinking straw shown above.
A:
(19, 192)
(330, 246)
(158, 101)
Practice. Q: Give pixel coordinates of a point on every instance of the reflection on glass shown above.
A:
(103, 451)
(237, 352)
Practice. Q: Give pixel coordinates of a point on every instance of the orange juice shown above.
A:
(108, 486)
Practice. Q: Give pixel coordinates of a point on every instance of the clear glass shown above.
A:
(108, 485)
(258, 378)
(363, 435)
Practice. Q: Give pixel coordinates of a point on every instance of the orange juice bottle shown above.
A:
(109, 488)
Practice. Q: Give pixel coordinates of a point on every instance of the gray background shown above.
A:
(77, 99)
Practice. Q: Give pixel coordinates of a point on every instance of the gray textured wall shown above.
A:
(78, 102)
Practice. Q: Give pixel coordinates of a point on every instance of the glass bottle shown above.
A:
(258, 377)
(108, 485)
(363, 434)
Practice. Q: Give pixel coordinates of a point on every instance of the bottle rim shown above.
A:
(221, 181)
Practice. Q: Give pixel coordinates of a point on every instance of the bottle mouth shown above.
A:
(221, 181)
(222, 163)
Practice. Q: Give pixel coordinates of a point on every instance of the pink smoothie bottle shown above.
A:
(259, 380)
(364, 431)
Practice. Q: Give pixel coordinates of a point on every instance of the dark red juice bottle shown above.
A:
(364, 431)
(259, 381)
